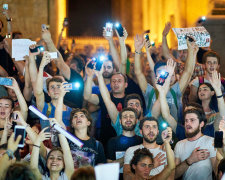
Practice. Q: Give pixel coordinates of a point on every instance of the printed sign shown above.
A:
(200, 35)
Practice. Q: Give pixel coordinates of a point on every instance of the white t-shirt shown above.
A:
(201, 169)
(130, 153)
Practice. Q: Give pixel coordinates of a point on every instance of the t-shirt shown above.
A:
(176, 112)
(74, 98)
(106, 129)
(63, 176)
(130, 153)
(201, 169)
(65, 116)
(119, 129)
(96, 90)
(91, 153)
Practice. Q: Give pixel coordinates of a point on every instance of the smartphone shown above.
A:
(119, 29)
(96, 64)
(43, 26)
(53, 55)
(108, 29)
(66, 21)
(5, 6)
(41, 49)
(44, 124)
(218, 139)
(162, 77)
(6, 81)
(20, 130)
(73, 86)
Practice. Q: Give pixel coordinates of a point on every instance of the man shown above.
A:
(53, 87)
(176, 90)
(211, 61)
(195, 156)
(149, 130)
(118, 145)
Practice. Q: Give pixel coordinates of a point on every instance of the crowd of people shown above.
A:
(117, 103)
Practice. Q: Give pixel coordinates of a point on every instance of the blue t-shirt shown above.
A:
(95, 89)
(119, 130)
(66, 114)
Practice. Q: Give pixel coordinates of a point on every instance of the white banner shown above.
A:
(200, 35)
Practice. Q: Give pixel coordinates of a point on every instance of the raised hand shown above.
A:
(42, 136)
(159, 160)
(138, 43)
(14, 86)
(170, 66)
(12, 144)
(222, 127)
(216, 81)
(46, 35)
(198, 155)
(99, 73)
(192, 46)
(19, 118)
(45, 59)
(89, 71)
(166, 29)
(109, 38)
(167, 135)
(63, 89)
(124, 37)
(34, 53)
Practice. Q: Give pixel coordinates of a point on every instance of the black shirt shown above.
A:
(121, 143)
(91, 153)
(74, 98)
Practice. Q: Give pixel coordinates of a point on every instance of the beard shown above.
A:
(107, 75)
(192, 134)
(131, 128)
(149, 140)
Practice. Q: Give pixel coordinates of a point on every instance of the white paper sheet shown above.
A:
(108, 171)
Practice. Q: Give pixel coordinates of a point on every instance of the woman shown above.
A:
(142, 162)
(92, 152)
(211, 98)
(59, 164)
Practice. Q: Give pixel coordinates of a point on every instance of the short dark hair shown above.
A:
(21, 171)
(54, 79)
(132, 96)
(124, 76)
(158, 65)
(84, 173)
(200, 114)
(139, 154)
(86, 113)
(16, 33)
(147, 119)
(79, 61)
(128, 109)
(8, 98)
(210, 54)
(221, 166)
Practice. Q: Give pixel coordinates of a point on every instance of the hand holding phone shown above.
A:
(20, 130)
(162, 77)
(119, 29)
(108, 29)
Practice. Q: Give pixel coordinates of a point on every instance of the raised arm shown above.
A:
(27, 90)
(60, 63)
(3, 72)
(42, 136)
(163, 90)
(123, 51)
(222, 128)
(110, 106)
(5, 161)
(165, 48)
(112, 48)
(19, 95)
(88, 96)
(59, 106)
(139, 43)
(39, 94)
(9, 25)
(167, 171)
(7, 127)
(189, 65)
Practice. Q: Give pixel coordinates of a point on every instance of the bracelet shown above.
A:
(9, 153)
(219, 96)
(137, 52)
(187, 162)
(36, 146)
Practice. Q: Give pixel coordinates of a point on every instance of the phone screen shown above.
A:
(44, 124)
(5, 81)
(119, 29)
(218, 139)
(162, 78)
(20, 131)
